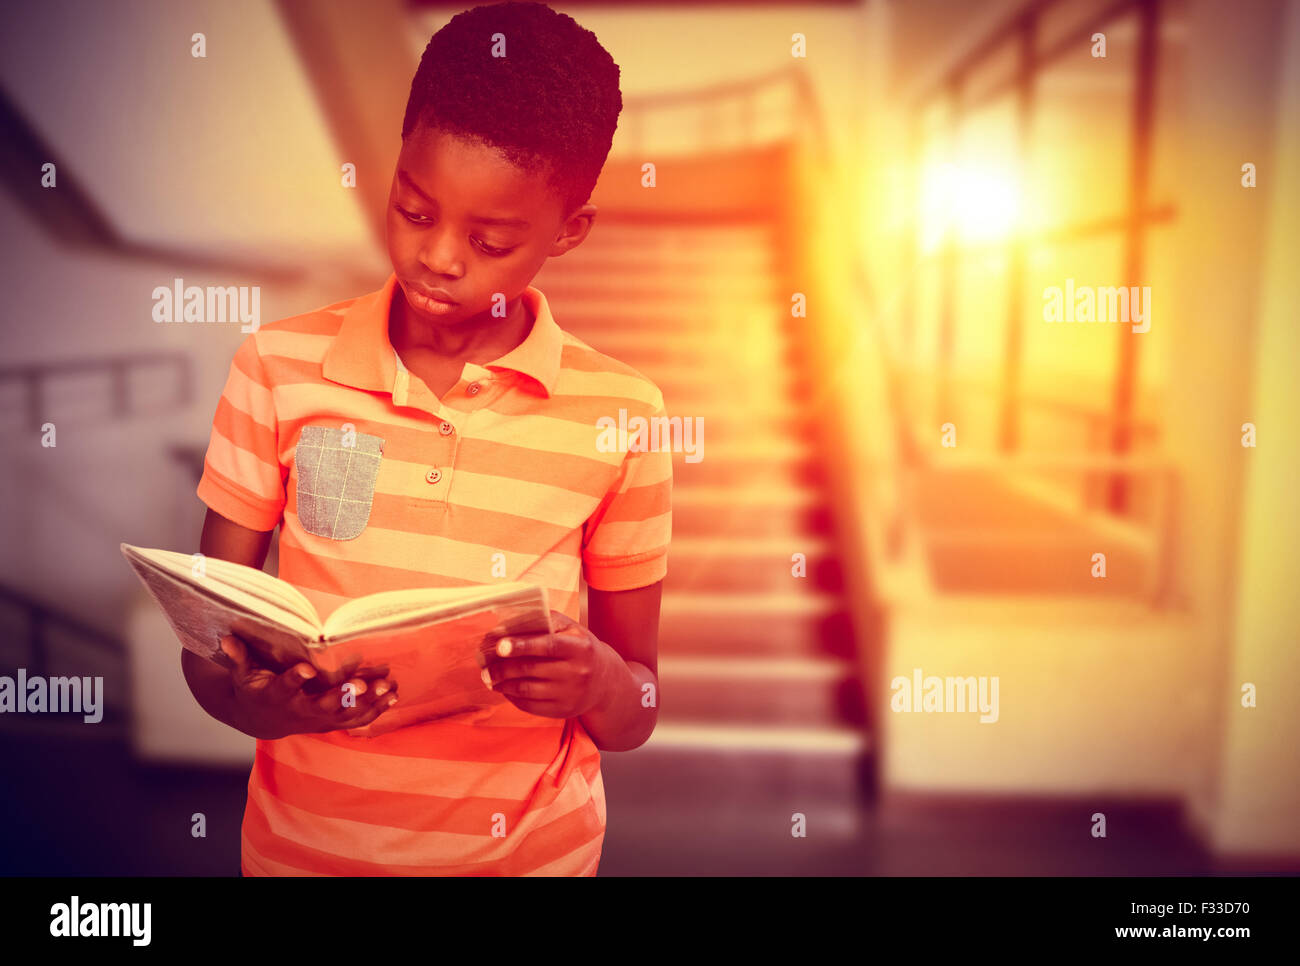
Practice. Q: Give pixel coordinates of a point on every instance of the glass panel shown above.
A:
(1070, 364)
(929, 294)
(1080, 134)
(981, 313)
(935, 118)
(1160, 274)
(1059, 19)
(992, 72)
(1170, 68)
(984, 186)
(932, 207)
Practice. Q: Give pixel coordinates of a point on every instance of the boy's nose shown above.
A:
(441, 256)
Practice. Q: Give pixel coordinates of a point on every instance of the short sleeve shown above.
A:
(625, 541)
(243, 479)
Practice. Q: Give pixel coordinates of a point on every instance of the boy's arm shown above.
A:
(209, 683)
(226, 540)
(628, 621)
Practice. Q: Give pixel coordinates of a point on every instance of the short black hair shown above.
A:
(550, 105)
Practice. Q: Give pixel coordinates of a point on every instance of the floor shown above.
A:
(84, 808)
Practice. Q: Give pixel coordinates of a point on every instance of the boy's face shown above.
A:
(446, 192)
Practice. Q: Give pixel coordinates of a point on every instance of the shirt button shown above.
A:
(472, 389)
(433, 476)
(446, 428)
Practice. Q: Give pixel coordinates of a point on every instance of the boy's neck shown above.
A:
(478, 339)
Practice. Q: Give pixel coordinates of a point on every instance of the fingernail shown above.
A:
(504, 646)
(380, 690)
(486, 675)
(307, 672)
(392, 701)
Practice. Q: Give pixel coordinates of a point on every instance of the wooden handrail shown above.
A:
(711, 100)
(39, 614)
(34, 376)
(988, 386)
(712, 92)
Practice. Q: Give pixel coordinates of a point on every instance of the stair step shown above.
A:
(760, 309)
(741, 425)
(806, 692)
(790, 513)
(613, 224)
(641, 349)
(739, 282)
(631, 261)
(768, 605)
(710, 383)
(663, 241)
(745, 549)
(740, 471)
(739, 570)
(756, 414)
(738, 669)
(772, 624)
(787, 744)
(582, 317)
(773, 448)
(685, 389)
(741, 563)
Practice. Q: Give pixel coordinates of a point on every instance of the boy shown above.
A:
(443, 432)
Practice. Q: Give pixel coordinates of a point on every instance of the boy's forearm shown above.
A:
(626, 716)
(212, 689)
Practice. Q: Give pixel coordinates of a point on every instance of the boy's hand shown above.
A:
(275, 704)
(559, 675)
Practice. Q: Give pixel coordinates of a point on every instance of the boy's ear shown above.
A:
(575, 230)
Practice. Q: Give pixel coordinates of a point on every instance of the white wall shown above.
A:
(1257, 792)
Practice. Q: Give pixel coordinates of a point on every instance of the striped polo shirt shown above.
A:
(510, 476)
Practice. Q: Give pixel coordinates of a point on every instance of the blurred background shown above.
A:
(841, 269)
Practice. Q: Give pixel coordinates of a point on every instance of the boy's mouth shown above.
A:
(434, 301)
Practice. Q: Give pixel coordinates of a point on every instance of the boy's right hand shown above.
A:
(275, 704)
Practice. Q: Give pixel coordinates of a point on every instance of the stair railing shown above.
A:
(727, 116)
(40, 617)
(34, 382)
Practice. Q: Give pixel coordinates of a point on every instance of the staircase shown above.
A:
(761, 713)
(48, 642)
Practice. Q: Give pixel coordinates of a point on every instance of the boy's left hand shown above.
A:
(558, 675)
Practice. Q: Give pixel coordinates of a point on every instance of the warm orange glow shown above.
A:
(982, 203)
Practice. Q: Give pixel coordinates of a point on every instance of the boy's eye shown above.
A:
(411, 216)
(494, 252)
(422, 220)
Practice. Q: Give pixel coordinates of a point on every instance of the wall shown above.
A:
(1257, 779)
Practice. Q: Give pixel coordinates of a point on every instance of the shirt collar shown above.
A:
(361, 355)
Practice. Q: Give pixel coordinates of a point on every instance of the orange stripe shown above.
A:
(505, 856)
(319, 322)
(286, 374)
(355, 579)
(244, 431)
(640, 503)
(466, 815)
(539, 741)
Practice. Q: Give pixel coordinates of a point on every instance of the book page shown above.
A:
(417, 606)
(436, 664)
(200, 619)
(272, 590)
(254, 590)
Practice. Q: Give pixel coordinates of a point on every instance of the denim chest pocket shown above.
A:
(337, 470)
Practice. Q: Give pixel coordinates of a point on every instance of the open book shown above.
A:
(431, 639)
